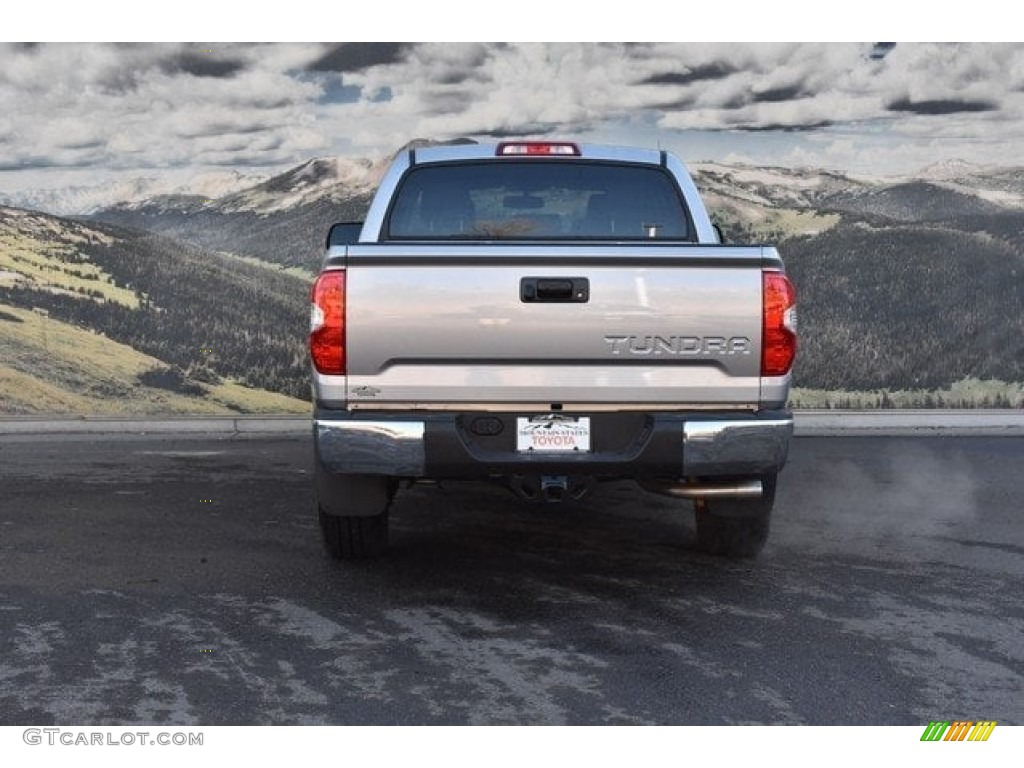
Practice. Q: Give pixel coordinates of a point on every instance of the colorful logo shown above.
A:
(958, 730)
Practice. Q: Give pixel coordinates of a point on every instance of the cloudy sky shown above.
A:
(80, 113)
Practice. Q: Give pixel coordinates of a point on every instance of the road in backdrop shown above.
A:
(179, 579)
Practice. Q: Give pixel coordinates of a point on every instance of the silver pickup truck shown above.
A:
(548, 315)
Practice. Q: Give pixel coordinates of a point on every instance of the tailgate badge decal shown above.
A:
(678, 345)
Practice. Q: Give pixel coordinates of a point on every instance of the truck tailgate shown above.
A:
(645, 325)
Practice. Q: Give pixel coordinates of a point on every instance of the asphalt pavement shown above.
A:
(178, 578)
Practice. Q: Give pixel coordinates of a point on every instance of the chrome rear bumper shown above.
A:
(394, 448)
(741, 447)
(690, 445)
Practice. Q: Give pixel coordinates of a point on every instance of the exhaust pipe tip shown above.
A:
(742, 489)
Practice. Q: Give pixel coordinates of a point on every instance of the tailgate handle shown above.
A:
(554, 289)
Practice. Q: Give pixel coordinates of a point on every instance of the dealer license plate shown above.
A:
(552, 433)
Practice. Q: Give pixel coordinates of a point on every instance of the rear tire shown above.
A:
(736, 528)
(353, 514)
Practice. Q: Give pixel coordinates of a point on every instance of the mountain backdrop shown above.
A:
(196, 299)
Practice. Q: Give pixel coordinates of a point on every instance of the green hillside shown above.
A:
(118, 320)
(906, 307)
(51, 367)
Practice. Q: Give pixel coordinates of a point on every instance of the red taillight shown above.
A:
(327, 323)
(519, 148)
(778, 338)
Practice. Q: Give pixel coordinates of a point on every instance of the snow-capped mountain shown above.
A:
(947, 170)
(282, 219)
(334, 178)
(87, 199)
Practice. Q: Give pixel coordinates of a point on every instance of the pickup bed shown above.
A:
(548, 316)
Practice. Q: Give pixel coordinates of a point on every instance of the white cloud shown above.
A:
(964, 93)
(169, 106)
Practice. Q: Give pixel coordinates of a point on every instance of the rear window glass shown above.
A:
(538, 200)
